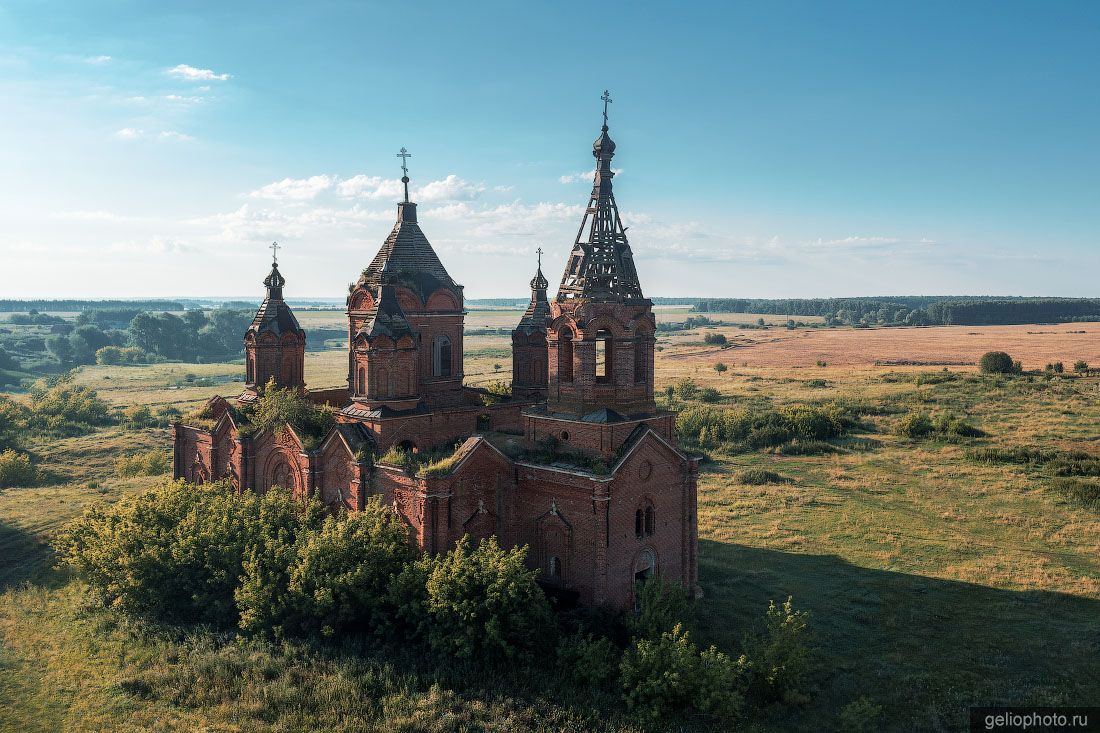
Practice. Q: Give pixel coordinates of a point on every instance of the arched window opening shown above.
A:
(641, 375)
(408, 446)
(441, 357)
(361, 384)
(649, 521)
(555, 567)
(565, 355)
(250, 371)
(604, 351)
(645, 567)
(639, 523)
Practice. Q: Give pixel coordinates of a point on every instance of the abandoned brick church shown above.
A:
(578, 463)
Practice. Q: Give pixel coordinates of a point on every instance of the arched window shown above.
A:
(639, 523)
(441, 356)
(604, 357)
(649, 521)
(361, 384)
(555, 566)
(565, 355)
(640, 371)
(381, 383)
(645, 567)
(250, 370)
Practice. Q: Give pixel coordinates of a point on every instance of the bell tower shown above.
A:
(274, 344)
(529, 356)
(601, 336)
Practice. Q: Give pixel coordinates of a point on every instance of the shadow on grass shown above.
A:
(23, 557)
(923, 648)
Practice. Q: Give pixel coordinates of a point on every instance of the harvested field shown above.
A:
(955, 346)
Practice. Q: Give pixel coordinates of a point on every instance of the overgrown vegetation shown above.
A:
(273, 567)
(757, 427)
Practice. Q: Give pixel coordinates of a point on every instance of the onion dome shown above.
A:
(274, 315)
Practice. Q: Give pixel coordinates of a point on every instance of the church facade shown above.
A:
(578, 464)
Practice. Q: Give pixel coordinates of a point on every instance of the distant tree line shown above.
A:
(80, 305)
(920, 310)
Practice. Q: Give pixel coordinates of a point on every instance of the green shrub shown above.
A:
(668, 675)
(758, 427)
(715, 339)
(1080, 366)
(996, 362)
(805, 448)
(588, 661)
(915, 425)
(759, 477)
(720, 367)
(710, 394)
(137, 417)
(779, 656)
(16, 469)
(341, 572)
(279, 407)
(59, 407)
(1085, 493)
(859, 716)
(484, 604)
(147, 463)
(661, 606)
(686, 389)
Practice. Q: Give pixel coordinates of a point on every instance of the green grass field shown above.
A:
(934, 581)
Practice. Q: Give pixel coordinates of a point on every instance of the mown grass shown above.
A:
(935, 580)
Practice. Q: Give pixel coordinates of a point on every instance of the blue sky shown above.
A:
(778, 149)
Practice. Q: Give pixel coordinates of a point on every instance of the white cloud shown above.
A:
(584, 176)
(97, 60)
(153, 245)
(91, 216)
(294, 189)
(191, 73)
(133, 133)
(369, 187)
(451, 188)
(182, 99)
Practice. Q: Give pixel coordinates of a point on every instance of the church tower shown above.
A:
(601, 337)
(274, 344)
(529, 362)
(405, 322)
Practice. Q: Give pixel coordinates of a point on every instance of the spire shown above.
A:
(274, 314)
(539, 282)
(537, 314)
(404, 155)
(601, 265)
(274, 281)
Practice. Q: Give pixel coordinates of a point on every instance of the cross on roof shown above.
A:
(404, 155)
(274, 253)
(539, 251)
(606, 97)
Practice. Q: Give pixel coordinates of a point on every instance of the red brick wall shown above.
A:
(630, 328)
(593, 438)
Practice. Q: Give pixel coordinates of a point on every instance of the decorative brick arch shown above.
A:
(555, 546)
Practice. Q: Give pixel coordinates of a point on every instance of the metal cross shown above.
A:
(606, 101)
(539, 251)
(404, 155)
(274, 253)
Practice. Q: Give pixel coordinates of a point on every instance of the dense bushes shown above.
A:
(147, 463)
(268, 564)
(759, 477)
(918, 425)
(16, 469)
(670, 674)
(1085, 493)
(715, 339)
(781, 655)
(60, 407)
(710, 427)
(997, 362)
(277, 408)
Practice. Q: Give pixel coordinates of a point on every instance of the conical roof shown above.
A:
(537, 316)
(274, 315)
(601, 265)
(410, 257)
